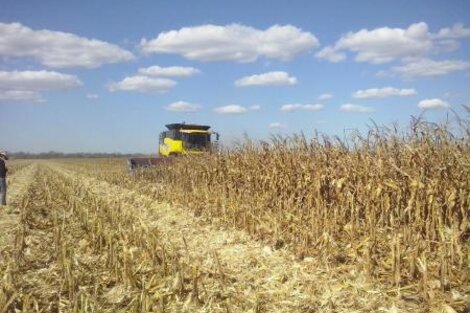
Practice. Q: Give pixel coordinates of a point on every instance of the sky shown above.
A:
(106, 76)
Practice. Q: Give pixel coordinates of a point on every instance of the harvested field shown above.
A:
(378, 223)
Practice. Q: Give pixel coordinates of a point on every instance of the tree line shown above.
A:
(62, 155)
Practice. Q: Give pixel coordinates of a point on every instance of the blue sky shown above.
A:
(105, 76)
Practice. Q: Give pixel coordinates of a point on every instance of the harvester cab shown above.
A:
(182, 139)
(179, 139)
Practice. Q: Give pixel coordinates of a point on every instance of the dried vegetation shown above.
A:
(76, 251)
(391, 205)
(395, 205)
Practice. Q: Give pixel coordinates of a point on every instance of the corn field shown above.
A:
(375, 222)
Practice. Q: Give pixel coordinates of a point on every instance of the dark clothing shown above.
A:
(3, 191)
(3, 169)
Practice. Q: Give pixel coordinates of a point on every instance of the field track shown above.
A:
(19, 183)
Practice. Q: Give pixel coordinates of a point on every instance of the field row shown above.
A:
(78, 252)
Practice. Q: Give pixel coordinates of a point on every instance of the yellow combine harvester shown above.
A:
(179, 139)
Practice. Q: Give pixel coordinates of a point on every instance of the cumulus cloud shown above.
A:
(410, 45)
(182, 106)
(446, 39)
(37, 80)
(433, 104)
(427, 67)
(142, 84)
(355, 108)
(277, 78)
(381, 45)
(171, 71)
(325, 96)
(58, 49)
(456, 31)
(231, 109)
(235, 109)
(27, 85)
(377, 93)
(331, 54)
(233, 42)
(277, 125)
(301, 107)
(20, 95)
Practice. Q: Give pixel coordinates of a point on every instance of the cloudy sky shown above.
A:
(105, 76)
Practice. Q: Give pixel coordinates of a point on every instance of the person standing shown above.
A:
(3, 178)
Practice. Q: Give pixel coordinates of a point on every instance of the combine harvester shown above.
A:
(179, 139)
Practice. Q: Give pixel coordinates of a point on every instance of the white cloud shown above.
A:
(20, 95)
(456, 31)
(267, 79)
(92, 96)
(331, 54)
(446, 39)
(172, 71)
(37, 80)
(58, 49)
(236, 109)
(27, 85)
(348, 107)
(231, 109)
(433, 104)
(325, 96)
(386, 44)
(301, 107)
(233, 42)
(277, 125)
(427, 67)
(377, 93)
(381, 45)
(182, 106)
(142, 84)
